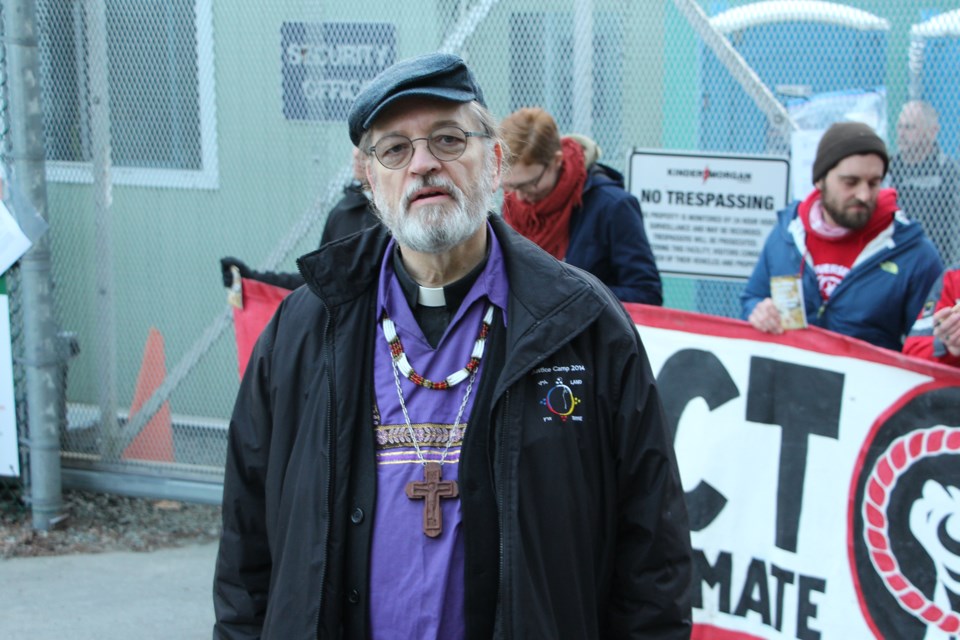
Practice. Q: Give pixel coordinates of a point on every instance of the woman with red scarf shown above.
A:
(575, 208)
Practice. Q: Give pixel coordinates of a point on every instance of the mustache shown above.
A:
(859, 204)
(434, 182)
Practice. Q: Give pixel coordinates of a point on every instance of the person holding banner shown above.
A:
(576, 208)
(448, 433)
(254, 295)
(936, 333)
(846, 256)
(352, 213)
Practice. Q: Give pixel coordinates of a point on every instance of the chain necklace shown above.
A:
(433, 488)
(453, 431)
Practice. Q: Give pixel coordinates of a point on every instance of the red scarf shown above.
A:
(833, 256)
(547, 222)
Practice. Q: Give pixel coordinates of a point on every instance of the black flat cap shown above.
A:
(435, 75)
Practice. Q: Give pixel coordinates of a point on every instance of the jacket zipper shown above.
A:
(860, 270)
(326, 499)
(501, 464)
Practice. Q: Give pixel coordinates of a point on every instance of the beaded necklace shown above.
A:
(401, 362)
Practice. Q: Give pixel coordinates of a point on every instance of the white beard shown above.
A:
(440, 227)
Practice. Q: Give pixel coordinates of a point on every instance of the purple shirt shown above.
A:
(416, 582)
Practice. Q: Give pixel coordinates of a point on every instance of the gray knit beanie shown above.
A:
(844, 139)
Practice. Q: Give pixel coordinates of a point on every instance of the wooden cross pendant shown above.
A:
(430, 491)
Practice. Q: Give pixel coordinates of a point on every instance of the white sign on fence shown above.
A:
(708, 215)
(9, 460)
(13, 243)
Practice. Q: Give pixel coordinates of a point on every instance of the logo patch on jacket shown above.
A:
(890, 267)
(561, 391)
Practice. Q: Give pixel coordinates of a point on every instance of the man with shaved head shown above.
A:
(926, 179)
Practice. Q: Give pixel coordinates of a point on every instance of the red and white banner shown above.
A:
(822, 477)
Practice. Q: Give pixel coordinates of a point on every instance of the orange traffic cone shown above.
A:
(155, 441)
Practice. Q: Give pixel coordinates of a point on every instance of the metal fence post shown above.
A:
(101, 162)
(29, 198)
(583, 53)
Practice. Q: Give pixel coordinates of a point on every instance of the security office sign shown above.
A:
(325, 65)
(822, 479)
(708, 215)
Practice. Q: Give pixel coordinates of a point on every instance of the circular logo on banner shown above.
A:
(904, 532)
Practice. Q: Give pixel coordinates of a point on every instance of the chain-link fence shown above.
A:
(181, 131)
(11, 489)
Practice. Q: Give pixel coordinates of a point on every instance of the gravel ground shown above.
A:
(98, 522)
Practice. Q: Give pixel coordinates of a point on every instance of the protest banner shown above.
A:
(821, 476)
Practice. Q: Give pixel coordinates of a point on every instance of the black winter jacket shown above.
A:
(575, 525)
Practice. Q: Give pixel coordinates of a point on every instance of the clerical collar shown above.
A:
(431, 296)
(450, 296)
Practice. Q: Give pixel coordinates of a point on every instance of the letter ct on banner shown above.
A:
(822, 477)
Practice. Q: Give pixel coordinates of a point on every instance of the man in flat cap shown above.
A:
(845, 258)
(447, 433)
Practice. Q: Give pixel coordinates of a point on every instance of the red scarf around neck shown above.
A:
(856, 239)
(833, 255)
(547, 222)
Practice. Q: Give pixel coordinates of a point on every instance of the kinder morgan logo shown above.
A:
(707, 174)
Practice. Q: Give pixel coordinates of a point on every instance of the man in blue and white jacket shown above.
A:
(862, 267)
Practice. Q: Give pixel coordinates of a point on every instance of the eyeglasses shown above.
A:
(529, 185)
(446, 144)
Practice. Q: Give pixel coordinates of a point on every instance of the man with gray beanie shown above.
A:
(447, 433)
(846, 258)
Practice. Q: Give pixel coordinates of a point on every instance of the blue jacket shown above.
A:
(608, 240)
(879, 298)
